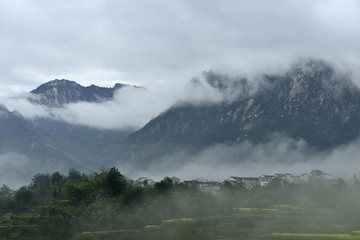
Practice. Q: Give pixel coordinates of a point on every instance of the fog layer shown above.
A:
(279, 155)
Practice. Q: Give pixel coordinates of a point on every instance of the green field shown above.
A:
(278, 222)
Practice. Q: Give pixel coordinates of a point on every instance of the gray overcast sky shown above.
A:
(153, 41)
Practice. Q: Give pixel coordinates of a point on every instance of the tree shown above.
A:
(114, 183)
(164, 185)
(5, 198)
(41, 184)
(74, 175)
(340, 184)
(24, 197)
(5, 191)
(56, 178)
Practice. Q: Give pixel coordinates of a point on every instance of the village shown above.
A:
(253, 183)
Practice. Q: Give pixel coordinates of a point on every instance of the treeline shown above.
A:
(57, 206)
(60, 205)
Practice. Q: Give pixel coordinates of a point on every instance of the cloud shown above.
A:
(161, 46)
(143, 42)
(280, 155)
(26, 108)
(131, 108)
(15, 170)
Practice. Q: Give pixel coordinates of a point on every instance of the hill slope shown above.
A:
(19, 140)
(89, 146)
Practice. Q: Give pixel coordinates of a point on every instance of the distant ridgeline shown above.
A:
(312, 101)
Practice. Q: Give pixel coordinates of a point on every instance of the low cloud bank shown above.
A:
(280, 155)
(131, 108)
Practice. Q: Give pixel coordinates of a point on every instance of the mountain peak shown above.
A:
(311, 65)
(59, 92)
(312, 71)
(56, 83)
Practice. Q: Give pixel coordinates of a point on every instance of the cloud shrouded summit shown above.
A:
(311, 102)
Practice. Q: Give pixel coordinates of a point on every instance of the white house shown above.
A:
(205, 185)
(144, 182)
(248, 182)
(266, 179)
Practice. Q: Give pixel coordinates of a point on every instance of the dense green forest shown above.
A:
(107, 205)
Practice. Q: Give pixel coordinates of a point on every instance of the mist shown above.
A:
(130, 108)
(16, 170)
(279, 155)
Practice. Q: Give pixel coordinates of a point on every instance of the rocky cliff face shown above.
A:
(56, 93)
(311, 102)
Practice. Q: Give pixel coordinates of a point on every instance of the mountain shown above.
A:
(42, 144)
(16, 135)
(39, 145)
(89, 146)
(56, 93)
(311, 101)
(27, 149)
(19, 137)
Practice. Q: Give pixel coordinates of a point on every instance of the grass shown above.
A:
(178, 220)
(151, 227)
(272, 223)
(251, 223)
(103, 235)
(340, 236)
(258, 209)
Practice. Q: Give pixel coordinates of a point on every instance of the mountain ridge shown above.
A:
(59, 92)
